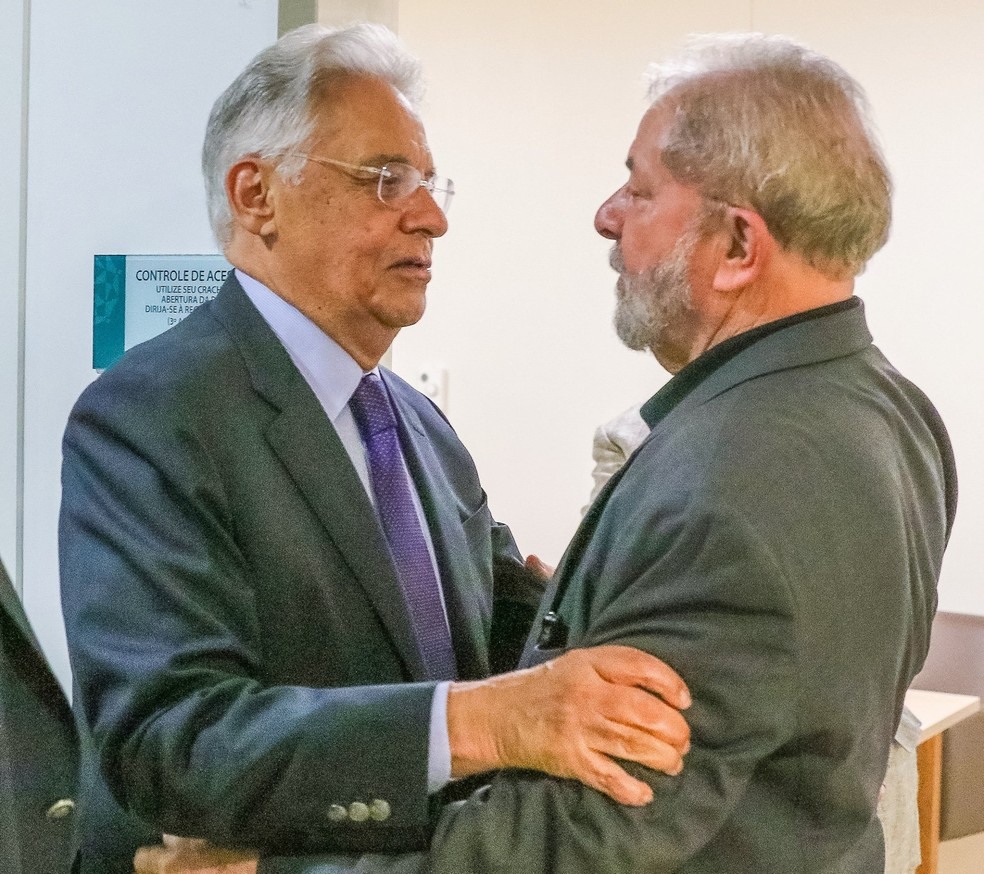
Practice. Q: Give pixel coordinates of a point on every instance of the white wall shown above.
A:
(119, 96)
(11, 83)
(531, 110)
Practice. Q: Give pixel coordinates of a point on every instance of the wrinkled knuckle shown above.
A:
(622, 750)
(604, 781)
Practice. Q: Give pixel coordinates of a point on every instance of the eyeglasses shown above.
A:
(397, 181)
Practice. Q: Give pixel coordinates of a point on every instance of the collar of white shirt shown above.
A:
(331, 372)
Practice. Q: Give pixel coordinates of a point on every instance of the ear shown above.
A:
(251, 196)
(749, 249)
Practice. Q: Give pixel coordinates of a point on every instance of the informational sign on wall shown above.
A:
(136, 297)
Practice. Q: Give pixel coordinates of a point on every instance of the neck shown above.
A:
(791, 287)
(366, 341)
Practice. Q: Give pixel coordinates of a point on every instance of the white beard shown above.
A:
(649, 305)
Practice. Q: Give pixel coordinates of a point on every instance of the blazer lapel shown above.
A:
(14, 615)
(469, 615)
(311, 451)
(571, 558)
(809, 342)
(11, 605)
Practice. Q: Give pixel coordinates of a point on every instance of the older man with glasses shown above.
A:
(282, 583)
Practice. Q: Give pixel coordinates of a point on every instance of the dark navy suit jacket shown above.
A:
(234, 620)
(38, 752)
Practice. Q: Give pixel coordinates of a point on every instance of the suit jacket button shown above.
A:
(379, 810)
(337, 813)
(60, 809)
(358, 812)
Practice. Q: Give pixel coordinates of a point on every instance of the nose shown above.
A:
(423, 214)
(608, 219)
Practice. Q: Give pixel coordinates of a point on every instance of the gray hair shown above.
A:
(766, 123)
(267, 110)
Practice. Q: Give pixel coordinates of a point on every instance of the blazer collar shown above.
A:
(823, 339)
(810, 342)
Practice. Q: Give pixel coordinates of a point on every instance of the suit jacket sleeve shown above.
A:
(724, 621)
(169, 657)
(783, 572)
(740, 672)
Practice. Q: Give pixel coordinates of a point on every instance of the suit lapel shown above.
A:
(805, 343)
(312, 453)
(15, 616)
(572, 557)
(11, 605)
(468, 616)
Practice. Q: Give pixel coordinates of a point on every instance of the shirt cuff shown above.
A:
(439, 750)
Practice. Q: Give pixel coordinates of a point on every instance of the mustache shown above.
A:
(615, 259)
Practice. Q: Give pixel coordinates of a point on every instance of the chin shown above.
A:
(404, 317)
(399, 306)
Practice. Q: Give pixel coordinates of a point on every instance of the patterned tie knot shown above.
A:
(371, 408)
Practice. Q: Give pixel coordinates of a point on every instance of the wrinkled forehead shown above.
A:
(658, 122)
(651, 137)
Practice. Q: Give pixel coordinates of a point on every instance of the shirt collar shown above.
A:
(330, 371)
(686, 380)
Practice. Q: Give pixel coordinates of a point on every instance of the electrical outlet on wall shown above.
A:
(432, 381)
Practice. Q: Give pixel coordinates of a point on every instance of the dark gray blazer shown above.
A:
(777, 539)
(234, 619)
(38, 752)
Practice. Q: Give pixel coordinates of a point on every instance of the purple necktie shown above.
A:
(376, 421)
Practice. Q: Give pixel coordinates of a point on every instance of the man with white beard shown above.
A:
(777, 537)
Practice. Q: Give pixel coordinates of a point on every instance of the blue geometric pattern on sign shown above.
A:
(108, 309)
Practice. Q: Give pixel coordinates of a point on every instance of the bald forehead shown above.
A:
(650, 137)
(656, 123)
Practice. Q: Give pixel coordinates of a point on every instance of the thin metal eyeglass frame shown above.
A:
(433, 185)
